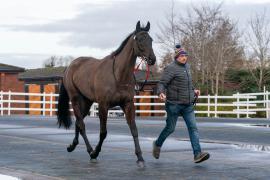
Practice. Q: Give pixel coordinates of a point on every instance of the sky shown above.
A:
(34, 30)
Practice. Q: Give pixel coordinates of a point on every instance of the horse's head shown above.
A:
(143, 44)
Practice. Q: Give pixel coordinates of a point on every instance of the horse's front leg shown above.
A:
(103, 112)
(129, 111)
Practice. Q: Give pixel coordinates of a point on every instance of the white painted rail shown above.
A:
(236, 105)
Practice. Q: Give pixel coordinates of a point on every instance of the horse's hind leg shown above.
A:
(75, 142)
(81, 108)
(103, 113)
(85, 109)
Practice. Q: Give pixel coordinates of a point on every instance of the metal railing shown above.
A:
(237, 105)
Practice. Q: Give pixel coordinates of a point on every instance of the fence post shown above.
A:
(264, 96)
(92, 110)
(44, 104)
(1, 103)
(238, 115)
(247, 107)
(208, 106)
(9, 99)
(95, 108)
(216, 105)
(51, 103)
(267, 105)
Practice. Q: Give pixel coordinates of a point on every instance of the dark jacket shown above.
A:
(176, 83)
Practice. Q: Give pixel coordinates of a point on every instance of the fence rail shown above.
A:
(237, 105)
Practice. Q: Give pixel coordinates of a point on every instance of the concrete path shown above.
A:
(33, 151)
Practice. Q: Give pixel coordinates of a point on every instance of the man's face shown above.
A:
(182, 58)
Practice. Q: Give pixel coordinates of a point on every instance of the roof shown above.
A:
(10, 68)
(141, 76)
(57, 73)
(42, 73)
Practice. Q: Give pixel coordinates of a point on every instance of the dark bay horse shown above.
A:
(109, 82)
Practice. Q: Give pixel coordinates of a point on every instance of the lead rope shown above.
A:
(147, 74)
(195, 100)
(134, 72)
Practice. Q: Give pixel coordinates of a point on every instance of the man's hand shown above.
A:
(162, 96)
(197, 92)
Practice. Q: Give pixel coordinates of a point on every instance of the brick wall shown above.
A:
(10, 82)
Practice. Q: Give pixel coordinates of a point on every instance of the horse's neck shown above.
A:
(125, 62)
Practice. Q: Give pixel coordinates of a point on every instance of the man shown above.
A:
(175, 87)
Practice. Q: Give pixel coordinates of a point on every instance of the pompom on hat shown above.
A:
(179, 51)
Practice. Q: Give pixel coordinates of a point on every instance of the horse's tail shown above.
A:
(63, 114)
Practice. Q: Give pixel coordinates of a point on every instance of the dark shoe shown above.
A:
(156, 150)
(203, 156)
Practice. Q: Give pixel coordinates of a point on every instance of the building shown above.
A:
(42, 80)
(9, 78)
(149, 89)
(48, 80)
(9, 82)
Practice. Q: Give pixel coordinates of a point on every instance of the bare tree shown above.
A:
(168, 35)
(64, 60)
(55, 61)
(225, 49)
(166, 59)
(50, 62)
(258, 50)
(211, 40)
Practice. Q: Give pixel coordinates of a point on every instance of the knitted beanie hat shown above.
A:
(179, 51)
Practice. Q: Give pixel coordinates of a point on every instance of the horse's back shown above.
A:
(83, 61)
(80, 73)
(80, 64)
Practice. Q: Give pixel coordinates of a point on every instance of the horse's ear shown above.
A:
(147, 26)
(138, 26)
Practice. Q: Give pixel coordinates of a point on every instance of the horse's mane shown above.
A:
(120, 48)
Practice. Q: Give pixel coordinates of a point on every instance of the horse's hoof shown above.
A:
(140, 164)
(93, 155)
(70, 148)
(93, 160)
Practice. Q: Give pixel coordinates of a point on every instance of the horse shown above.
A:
(108, 82)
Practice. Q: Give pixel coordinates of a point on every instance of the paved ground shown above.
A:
(34, 148)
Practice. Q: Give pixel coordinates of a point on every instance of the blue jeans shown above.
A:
(173, 112)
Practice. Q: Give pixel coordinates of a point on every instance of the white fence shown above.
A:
(236, 105)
